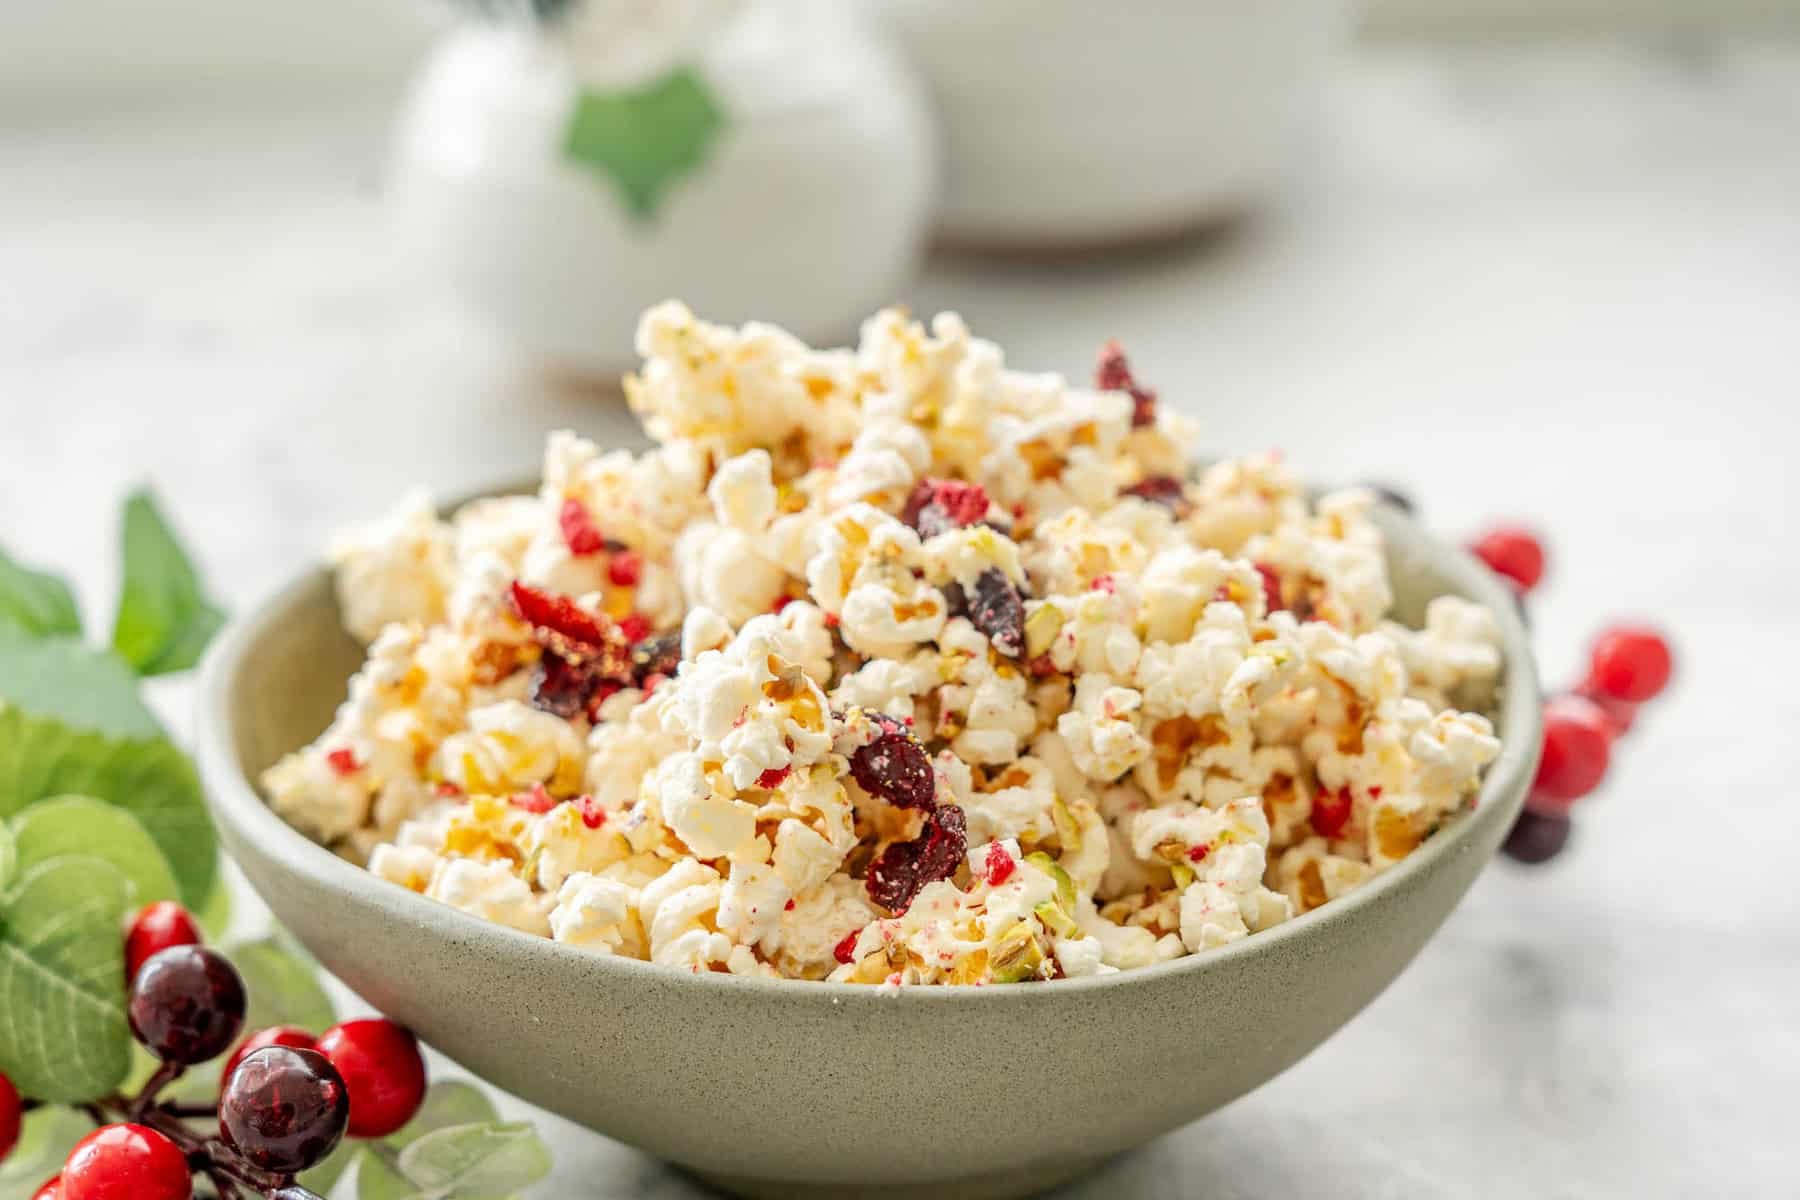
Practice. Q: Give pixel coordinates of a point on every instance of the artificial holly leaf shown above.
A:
(65, 678)
(645, 139)
(282, 982)
(49, 1133)
(42, 757)
(449, 1103)
(82, 825)
(165, 619)
(486, 1161)
(9, 858)
(62, 980)
(36, 603)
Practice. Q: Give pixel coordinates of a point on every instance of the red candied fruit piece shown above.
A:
(343, 761)
(845, 950)
(894, 767)
(635, 627)
(1271, 581)
(1512, 551)
(1113, 374)
(1331, 811)
(998, 866)
(771, 779)
(900, 871)
(592, 815)
(939, 505)
(626, 568)
(538, 800)
(563, 625)
(1630, 663)
(579, 532)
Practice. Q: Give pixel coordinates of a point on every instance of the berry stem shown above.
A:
(191, 1112)
(145, 1100)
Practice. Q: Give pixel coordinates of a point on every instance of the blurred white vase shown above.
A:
(1072, 123)
(532, 174)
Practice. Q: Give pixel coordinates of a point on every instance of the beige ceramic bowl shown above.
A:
(784, 1088)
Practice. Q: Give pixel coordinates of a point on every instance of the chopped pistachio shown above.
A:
(1066, 827)
(1183, 874)
(1017, 956)
(1056, 920)
(1042, 624)
(1065, 887)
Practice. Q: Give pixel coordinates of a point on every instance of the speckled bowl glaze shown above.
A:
(788, 1088)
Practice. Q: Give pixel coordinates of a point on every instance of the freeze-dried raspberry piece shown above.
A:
(772, 778)
(343, 761)
(1113, 374)
(592, 815)
(1165, 490)
(894, 767)
(564, 627)
(1330, 811)
(537, 801)
(579, 532)
(998, 610)
(660, 655)
(1271, 581)
(940, 505)
(845, 950)
(898, 872)
(626, 568)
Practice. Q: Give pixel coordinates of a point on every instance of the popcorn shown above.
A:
(1169, 713)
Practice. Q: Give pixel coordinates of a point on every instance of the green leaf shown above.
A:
(9, 858)
(42, 757)
(215, 916)
(62, 981)
(446, 1104)
(82, 825)
(165, 620)
(645, 140)
(38, 603)
(62, 677)
(320, 1180)
(283, 984)
(486, 1161)
(49, 1133)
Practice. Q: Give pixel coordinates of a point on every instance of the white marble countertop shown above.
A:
(1561, 283)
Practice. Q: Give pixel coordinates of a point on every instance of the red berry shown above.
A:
(1620, 714)
(1512, 551)
(126, 1162)
(381, 1066)
(1631, 663)
(157, 927)
(51, 1189)
(1577, 745)
(12, 1111)
(291, 1036)
(284, 1110)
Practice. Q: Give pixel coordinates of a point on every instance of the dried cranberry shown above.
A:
(1165, 490)
(579, 532)
(894, 767)
(561, 687)
(939, 505)
(660, 655)
(898, 872)
(998, 611)
(1113, 374)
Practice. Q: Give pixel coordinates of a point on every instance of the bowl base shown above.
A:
(1007, 1185)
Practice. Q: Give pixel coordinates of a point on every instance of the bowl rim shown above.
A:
(235, 800)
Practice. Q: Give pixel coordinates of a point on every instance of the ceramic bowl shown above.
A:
(789, 1088)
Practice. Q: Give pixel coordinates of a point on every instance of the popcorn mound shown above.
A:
(894, 666)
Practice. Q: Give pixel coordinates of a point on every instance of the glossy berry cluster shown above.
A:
(285, 1098)
(1628, 665)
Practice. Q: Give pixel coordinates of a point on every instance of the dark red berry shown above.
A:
(997, 609)
(1331, 811)
(894, 767)
(50, 1189)
(284, 1109)
(1113, 374)
(383, 1070)
(1577, 745)
(939, 505)
(291, 1036)
(1165, 490)
(1537, 837)
(1630, 663)
(1512, 551)
(126, 1162)
(157, 927)
(898, 872)
(12, 1113)
(187, 1004)
(579, 532)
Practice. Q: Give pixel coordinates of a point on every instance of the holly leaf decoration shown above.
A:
(41, 757)
(282, 982)
(9, 858)
(34, 602)
(62, 969)
(82, 825)
(644, 140)
(49, 1133)
(62, 677)
(446, 1104)
(165, 619)
(486, 1161)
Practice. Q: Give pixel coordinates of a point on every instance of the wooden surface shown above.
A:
(1559, 284)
